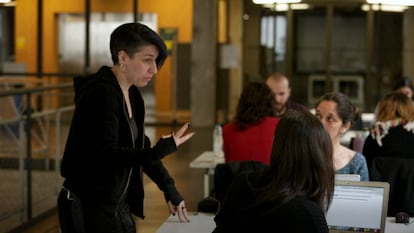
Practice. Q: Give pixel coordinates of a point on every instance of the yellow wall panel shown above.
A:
(163, 87)
(26, 33)
(170, 14)
(177, 13)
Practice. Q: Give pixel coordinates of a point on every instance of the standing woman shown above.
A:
(107, 149)
(336, 113)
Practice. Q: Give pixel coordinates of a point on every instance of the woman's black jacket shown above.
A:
(102, 163)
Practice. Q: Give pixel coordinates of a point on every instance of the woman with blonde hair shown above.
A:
(392, 135)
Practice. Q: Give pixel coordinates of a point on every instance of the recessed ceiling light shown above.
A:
(392, 2)
(380, 7)
(275, 1)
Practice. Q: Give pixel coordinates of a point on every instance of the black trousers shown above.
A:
(76, 216)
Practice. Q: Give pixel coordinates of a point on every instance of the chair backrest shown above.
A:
(357, 144)
(399, 173)
(224, 174)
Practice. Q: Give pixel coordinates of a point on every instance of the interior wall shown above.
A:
(408, 43)
(183, 90)
(171, 14)
(387, 57)
(6, 34)
(71, 58)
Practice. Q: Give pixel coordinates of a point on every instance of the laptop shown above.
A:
(354, 177)
(358, 206)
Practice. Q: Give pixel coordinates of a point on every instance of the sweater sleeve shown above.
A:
(157, 172)
(361, 167)
(108, 135)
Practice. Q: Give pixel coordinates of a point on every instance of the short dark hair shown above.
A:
(403, 82)
(129, 37)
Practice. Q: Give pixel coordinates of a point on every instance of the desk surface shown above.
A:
(204, 223)
(392, 227)
(207, 159)
(199, 223)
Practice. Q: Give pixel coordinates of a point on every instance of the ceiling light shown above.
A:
(285, 7)
(299, 6)
(5, 1)
(380, 7)
(392, 2)
(275, 1)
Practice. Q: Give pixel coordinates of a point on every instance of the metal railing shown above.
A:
(30, 152)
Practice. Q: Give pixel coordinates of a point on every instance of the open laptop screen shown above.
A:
(352, 177)
(358, 207)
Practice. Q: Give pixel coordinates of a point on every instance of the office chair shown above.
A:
(223, 176)
(399, 173)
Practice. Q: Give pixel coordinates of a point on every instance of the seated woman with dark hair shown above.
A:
(337, 114)
(249, 136)
(293, 194)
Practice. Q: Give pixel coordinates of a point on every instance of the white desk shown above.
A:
(207, 160)
(204, 223)
(392, 227)
(199, 223)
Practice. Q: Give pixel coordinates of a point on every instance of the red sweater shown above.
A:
(253, 143)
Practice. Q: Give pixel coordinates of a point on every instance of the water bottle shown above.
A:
(218, 141)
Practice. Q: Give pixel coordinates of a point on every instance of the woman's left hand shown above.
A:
(179, 136)
(180, 210)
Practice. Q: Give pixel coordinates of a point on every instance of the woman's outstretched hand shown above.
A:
(180, 137)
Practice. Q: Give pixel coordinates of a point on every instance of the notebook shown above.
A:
(358, 206)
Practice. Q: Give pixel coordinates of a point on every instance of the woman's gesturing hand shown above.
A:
(180, 137)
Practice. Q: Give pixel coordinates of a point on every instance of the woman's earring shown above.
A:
(123, 68)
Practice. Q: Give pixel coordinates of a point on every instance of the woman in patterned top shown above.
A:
(336, 113)
(393, 131)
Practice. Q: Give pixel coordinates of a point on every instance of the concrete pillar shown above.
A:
(251, 41)
(203, 65)
(408, 43)
(236, 40)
